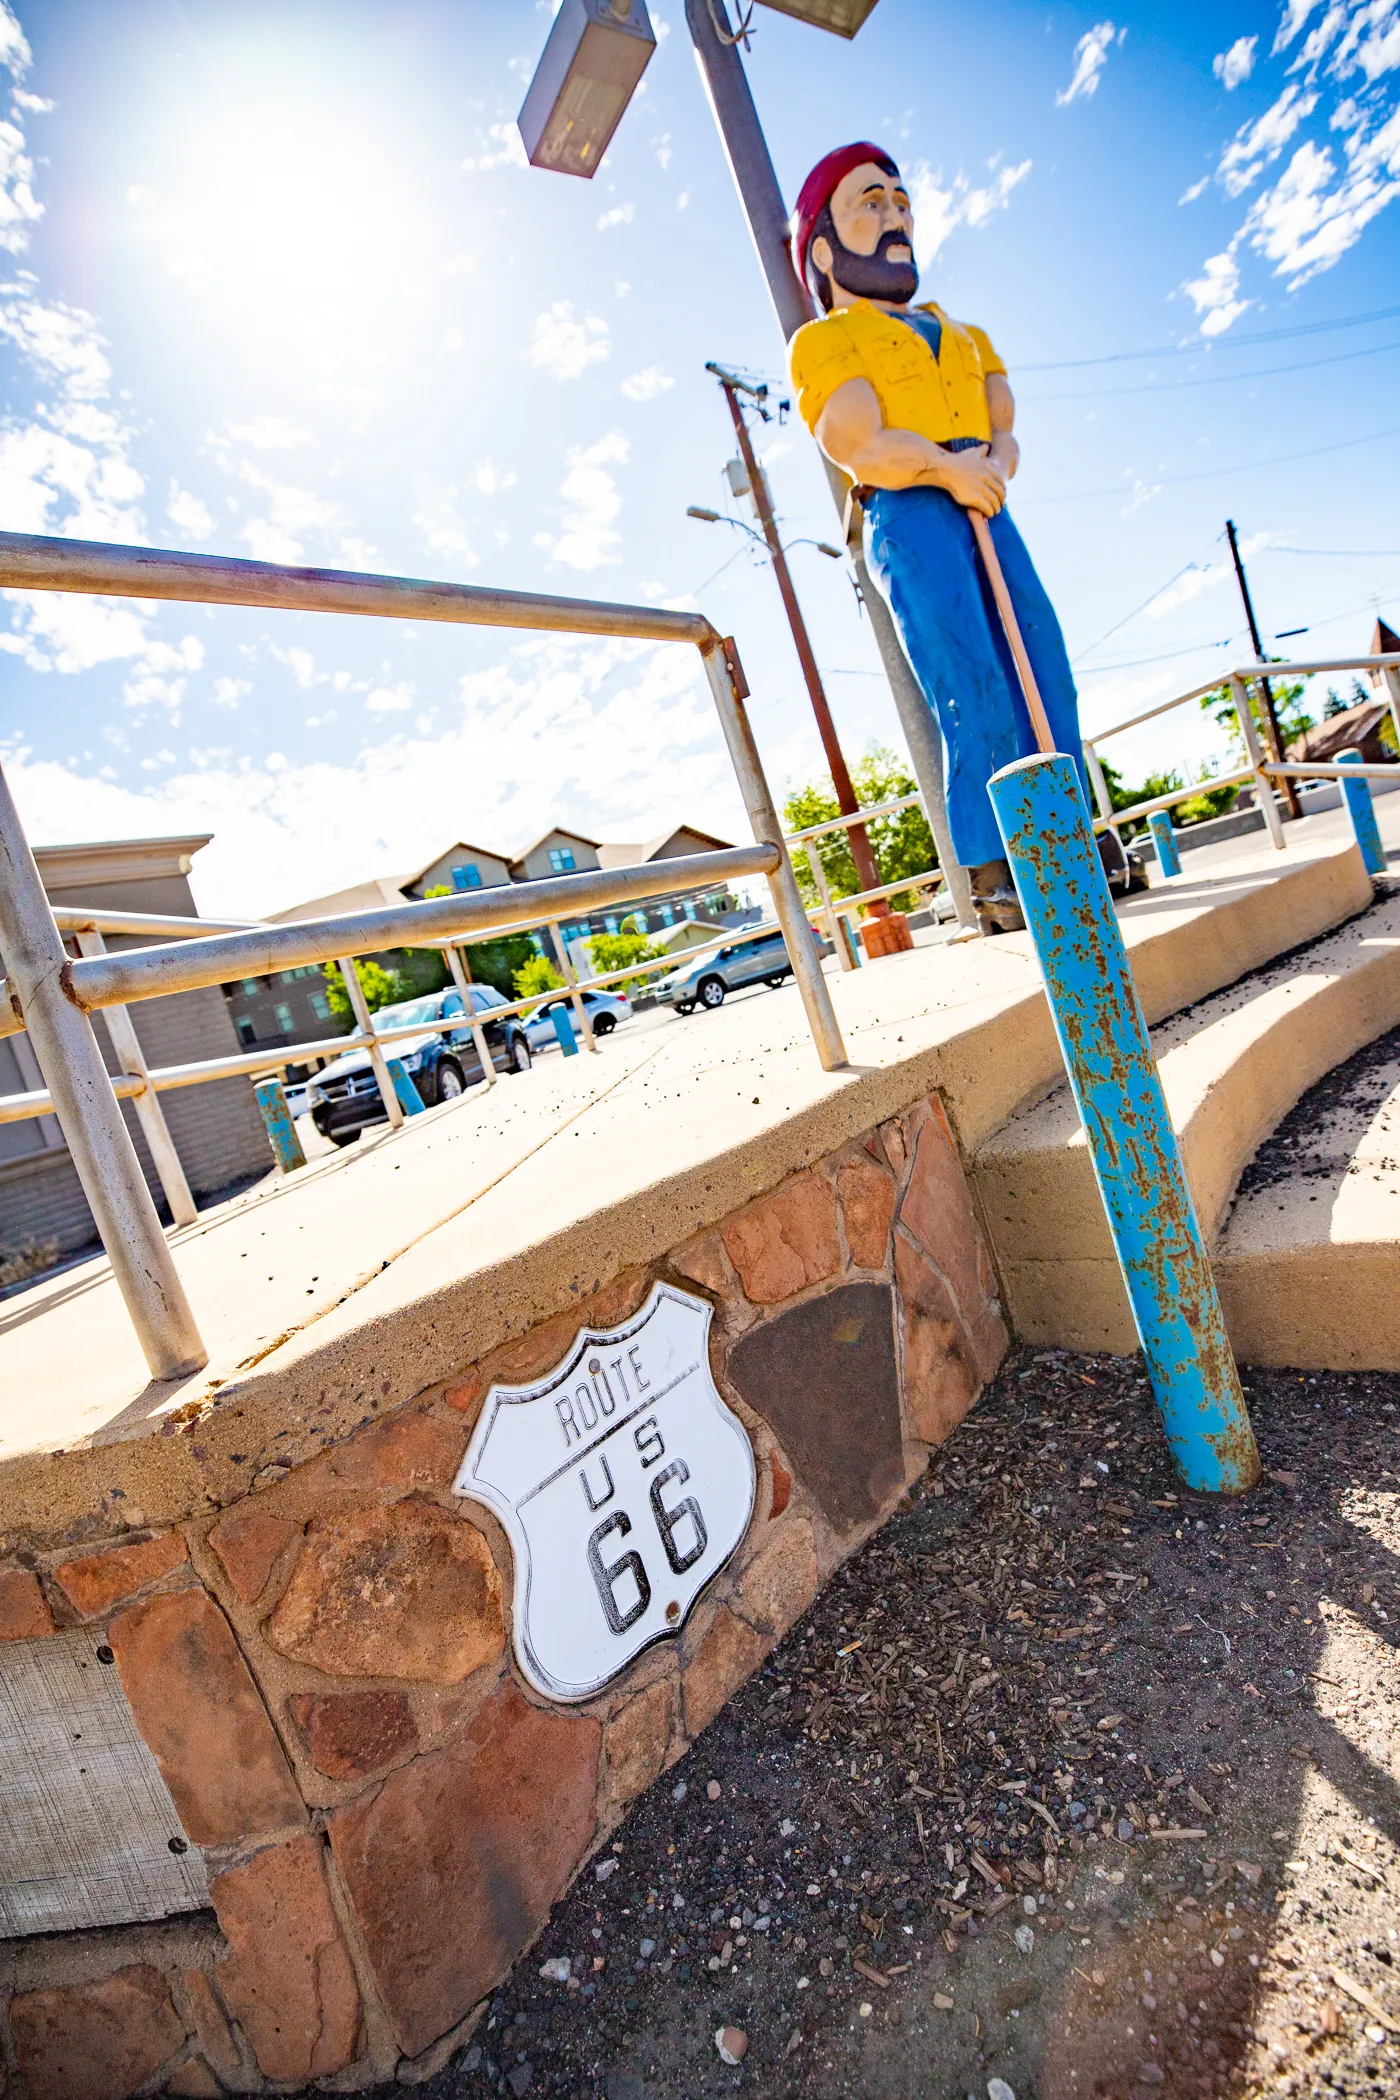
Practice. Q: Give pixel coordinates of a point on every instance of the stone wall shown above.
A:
(385, 1812)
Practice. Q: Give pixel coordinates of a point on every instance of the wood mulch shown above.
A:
(1069, 1779)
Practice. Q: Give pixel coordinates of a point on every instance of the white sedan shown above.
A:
(604, 1010)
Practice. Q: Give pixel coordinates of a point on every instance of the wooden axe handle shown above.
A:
(1035, 706)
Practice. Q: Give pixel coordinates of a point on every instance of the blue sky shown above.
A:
(277, 283)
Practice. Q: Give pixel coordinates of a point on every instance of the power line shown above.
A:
(1135, 663)
(1172, 386)
(1151, 600)
(1343, 553)
(1236, 342)
(1252, 466)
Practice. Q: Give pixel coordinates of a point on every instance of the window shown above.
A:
(250, 987)
(320, 1006)
(690, 910)
(452, 1005)
(283, 1018)
(294, 976)
(467, 877)
(485, 996)
(668, 917)
(247, 1033)
(561, 859)
(610, 922)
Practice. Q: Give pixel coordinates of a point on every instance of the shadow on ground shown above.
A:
(1069, 1779)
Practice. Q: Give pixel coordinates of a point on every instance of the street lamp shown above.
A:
(594, 56)
(842, 17)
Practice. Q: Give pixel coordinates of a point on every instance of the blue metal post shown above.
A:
(1363, 816)
(1164, 839)
(277, 1122)
(564, 1029)
(410, 1100)
(1132, 1145)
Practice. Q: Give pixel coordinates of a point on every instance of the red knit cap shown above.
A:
(818, 189)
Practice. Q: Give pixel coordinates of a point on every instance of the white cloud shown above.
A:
(296, 829)
(508, 151)
(68, 633)
(60, 342)
(1336, 180)
(160, 678)
(940, 207)
(491, 479)
(588, 540)
(1295, 14)
(1215, 293)
(1196, 190)
(188, 514)
(1312, 216)
(14, 48)
(564, 347)
(391, 699)
(229, 691)
(620, 215)
(1256, 145)
(269, 434)
(300, 662)
(1090, 57)
(1232, 66)
(1203, 576)
(647, 384)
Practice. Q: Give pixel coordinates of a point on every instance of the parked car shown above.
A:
(441, 1062)
(298, 1093)
(762, 960)
(604, 1010)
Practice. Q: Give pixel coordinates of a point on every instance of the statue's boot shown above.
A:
(1125, 875)
(994, 898)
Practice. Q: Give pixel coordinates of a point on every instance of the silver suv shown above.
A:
(763, 959)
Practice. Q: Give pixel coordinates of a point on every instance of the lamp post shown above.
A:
(578, 77)
(847, 801)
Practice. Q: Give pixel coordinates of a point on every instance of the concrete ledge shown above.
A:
(1309, 1260)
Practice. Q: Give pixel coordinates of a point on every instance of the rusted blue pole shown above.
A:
(1363, 816)
(277, 1122)
(1164, 839)
(409, 1098)
(1132, 1145)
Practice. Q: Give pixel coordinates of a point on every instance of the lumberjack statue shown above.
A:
(915, 407)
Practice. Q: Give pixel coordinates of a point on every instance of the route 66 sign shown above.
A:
(624, 1483)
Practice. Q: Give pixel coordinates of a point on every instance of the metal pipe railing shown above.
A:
(53, 997)
(1260, 768)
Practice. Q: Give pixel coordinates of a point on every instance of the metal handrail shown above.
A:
(53, 996)
(1259, 769)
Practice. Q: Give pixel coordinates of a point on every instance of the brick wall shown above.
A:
(322, 1669)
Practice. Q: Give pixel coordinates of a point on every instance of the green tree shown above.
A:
(1293, 718)
(380, 987)
(1211, 802)
(619, 951)
(489, 962)
(536, 978)
(902, 843)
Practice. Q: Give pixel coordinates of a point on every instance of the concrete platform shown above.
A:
(338, 1294)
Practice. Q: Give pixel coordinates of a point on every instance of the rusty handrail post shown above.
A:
(1127, 1126)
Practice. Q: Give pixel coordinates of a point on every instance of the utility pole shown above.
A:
(846, 799)
(717, 50)
(1290, 791)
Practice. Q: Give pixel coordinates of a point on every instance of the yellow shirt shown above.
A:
(939, 398)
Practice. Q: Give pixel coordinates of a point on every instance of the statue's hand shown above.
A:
(975, 480)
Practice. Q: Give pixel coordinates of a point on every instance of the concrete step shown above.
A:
(1309, 1260)
(1232, 1067)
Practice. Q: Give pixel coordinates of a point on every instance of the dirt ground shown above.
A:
(1069, 1780)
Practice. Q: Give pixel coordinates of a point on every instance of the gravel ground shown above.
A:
(1318, 1134)
(1069, 1779)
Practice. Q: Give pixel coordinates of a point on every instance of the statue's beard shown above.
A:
(874, 276)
